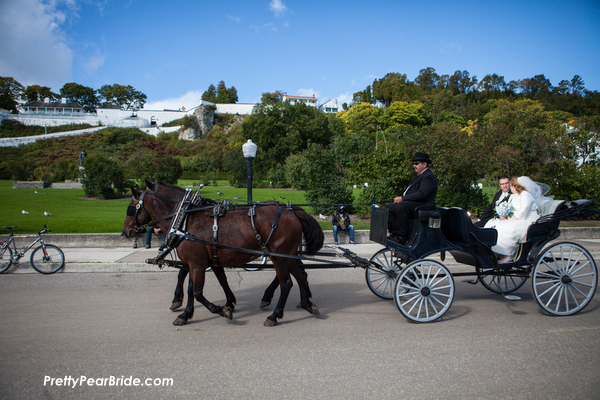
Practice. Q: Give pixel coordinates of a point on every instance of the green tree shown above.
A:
(361, 117)
(103, 177)
(10, 92)
(210, 94)
(282, 129)
(427, 78)
(83, 95)
(401, 113)
(125, 97)
(392, 87)
(39, 93)
(272, 98)
(145, 164)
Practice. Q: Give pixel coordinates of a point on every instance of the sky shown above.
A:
(173, 50)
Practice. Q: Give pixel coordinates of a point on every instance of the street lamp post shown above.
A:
(249, 150)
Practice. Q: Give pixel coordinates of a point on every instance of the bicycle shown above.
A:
(46, 259)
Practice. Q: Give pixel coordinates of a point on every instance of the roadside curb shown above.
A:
(108, 240)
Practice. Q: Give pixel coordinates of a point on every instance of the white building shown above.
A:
(309, 101)
(329, 107)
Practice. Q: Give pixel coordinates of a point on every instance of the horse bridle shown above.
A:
(133, 211)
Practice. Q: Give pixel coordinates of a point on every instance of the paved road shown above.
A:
(100, 325)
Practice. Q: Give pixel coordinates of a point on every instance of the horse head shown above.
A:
(137, 215)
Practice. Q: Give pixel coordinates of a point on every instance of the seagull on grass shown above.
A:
(47, 214)
(24, 212)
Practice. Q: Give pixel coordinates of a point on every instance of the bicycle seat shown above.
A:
(9, 227)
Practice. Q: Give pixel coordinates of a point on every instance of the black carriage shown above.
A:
(563, 274)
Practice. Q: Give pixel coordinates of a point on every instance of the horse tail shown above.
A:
(313, 234)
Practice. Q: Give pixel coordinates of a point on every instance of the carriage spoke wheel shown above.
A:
(564, 278)
(424, 291)
(494, 283)
(381, 281)
(254, 265)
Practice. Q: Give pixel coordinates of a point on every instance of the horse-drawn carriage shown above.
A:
(563, 274)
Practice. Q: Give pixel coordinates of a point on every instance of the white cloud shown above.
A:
(234, 19)
(309, 92)
(189, 100)
(33, 45)
(344, 98)
(93, 63)
(278, 7)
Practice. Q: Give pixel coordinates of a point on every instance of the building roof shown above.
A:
(298, 97)
(55, 104)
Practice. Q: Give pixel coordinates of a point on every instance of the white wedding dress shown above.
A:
(525, 212)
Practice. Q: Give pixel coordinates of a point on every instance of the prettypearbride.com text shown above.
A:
(71, 382)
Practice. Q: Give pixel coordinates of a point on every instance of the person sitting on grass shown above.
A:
(341, 221)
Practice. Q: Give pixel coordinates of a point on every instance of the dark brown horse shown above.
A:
(177, 192)
(235, 230)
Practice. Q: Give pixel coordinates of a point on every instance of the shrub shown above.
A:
(103, 177)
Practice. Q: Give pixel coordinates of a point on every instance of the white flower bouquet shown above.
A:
(503, 209)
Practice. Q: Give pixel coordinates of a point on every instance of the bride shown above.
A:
(524, 203)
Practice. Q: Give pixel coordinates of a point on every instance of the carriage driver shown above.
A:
(421, 191)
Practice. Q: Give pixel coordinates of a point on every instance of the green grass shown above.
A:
(73, 213)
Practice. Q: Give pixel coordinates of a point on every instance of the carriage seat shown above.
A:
(457, 227)
(549, 221)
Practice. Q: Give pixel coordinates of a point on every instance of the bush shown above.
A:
(103, 178)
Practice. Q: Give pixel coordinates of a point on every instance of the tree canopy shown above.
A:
(220, 94)
(125, 97)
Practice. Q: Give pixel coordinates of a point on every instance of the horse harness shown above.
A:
(178, 229)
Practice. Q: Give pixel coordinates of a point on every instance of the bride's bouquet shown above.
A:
(503, 209)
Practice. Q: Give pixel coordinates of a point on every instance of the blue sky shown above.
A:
(173, 50)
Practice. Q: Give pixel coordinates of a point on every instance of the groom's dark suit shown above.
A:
(489, 212)
(421, 191)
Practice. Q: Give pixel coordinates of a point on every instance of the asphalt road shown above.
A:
(103, 325)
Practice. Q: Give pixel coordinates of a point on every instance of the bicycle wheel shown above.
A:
(53, 261)
(5, 258)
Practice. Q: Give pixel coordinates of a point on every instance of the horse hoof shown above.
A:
(264, 303)
(179, 321)
(226, 312)
(269, 322)
(299, 305)
(175, 305)
(314, 310)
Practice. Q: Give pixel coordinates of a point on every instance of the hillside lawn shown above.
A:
(72, 212)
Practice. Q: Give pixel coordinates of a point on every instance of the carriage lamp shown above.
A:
(249, 150)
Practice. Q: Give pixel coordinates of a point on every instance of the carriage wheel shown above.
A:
(381, 281)
(424, 290)
(564, 278)
(262, 260)
(507, 283)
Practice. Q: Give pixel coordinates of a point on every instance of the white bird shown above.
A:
(322, 216)
(36, 191)
(24, 212)
(47, 214)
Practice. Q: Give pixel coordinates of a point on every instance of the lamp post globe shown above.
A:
(249, 150)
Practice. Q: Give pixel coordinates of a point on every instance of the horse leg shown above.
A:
(222, 278)
(197, 275)
(269, 293)
(285, 283)
(178, 298)
(188, 313)
(302, 278)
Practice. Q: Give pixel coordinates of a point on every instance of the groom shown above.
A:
(500, 197)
